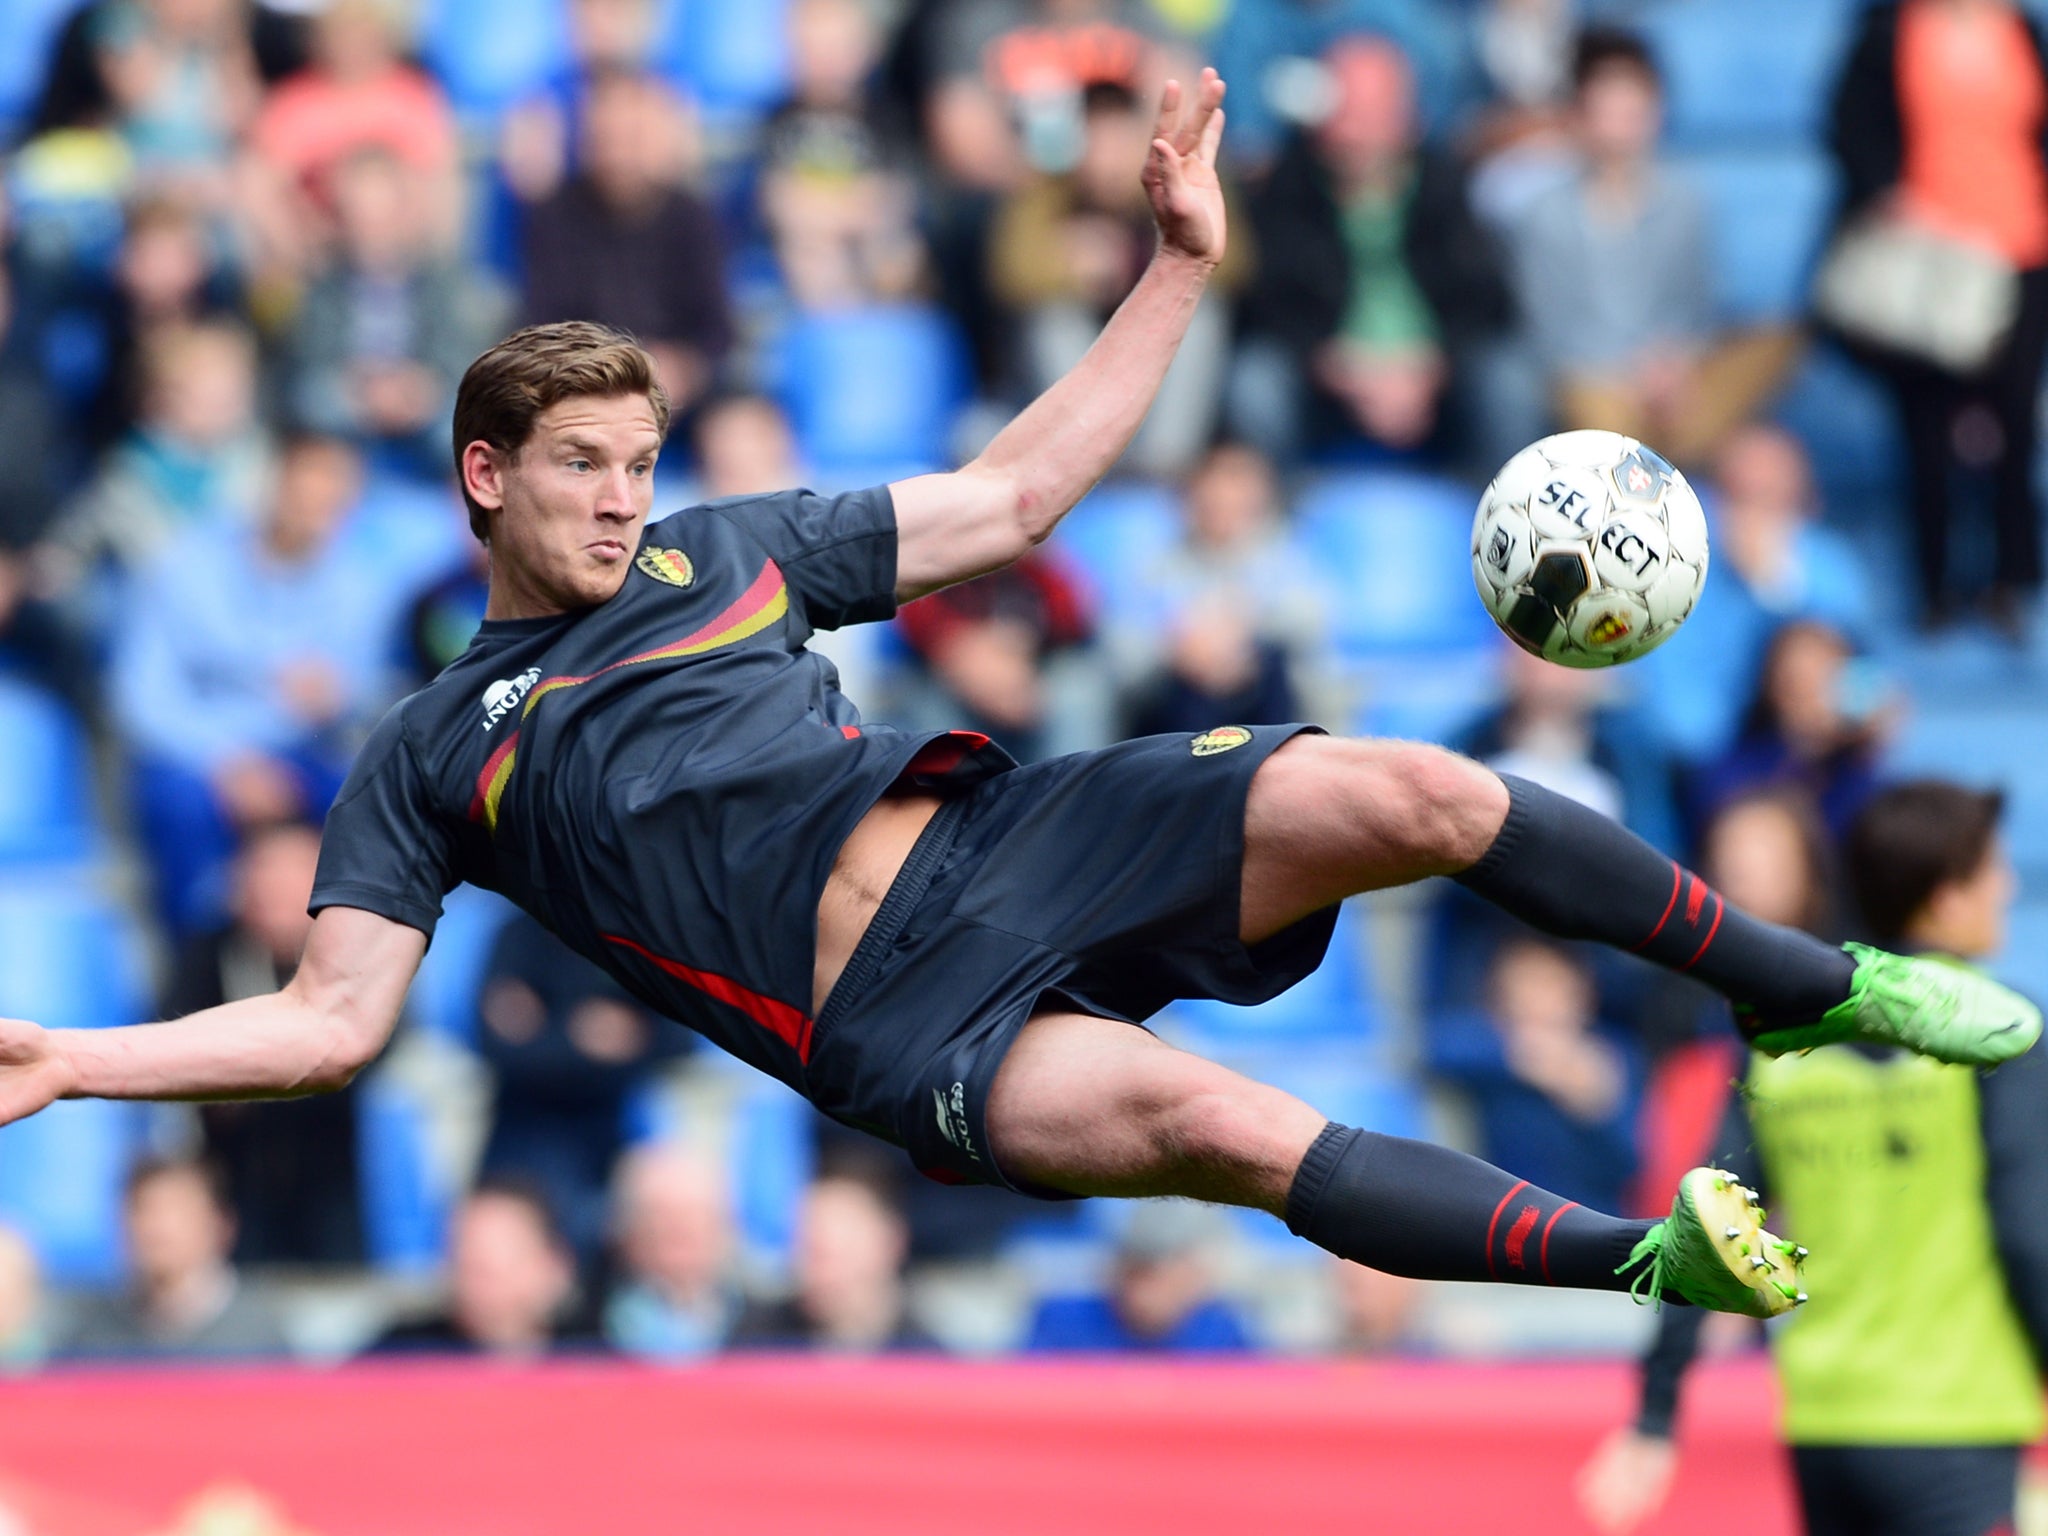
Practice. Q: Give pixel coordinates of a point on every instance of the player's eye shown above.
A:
(643, 469)
(579, 465)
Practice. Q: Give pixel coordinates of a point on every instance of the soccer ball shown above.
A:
(1589, 549)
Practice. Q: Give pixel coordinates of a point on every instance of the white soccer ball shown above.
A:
(1589, 549)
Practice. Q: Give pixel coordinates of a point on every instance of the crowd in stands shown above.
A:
(249, 248)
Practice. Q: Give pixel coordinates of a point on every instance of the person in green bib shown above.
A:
(1913, 1380)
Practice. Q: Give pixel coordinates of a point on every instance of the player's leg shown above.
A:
(1327, 817)
(1093, 1107)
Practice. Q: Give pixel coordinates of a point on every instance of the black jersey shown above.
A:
(665, 779)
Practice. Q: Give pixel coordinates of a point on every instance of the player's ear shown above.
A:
(483, 469)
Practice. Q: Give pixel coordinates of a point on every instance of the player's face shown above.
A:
(568, 507)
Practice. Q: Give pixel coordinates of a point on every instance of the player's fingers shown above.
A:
(1169, 110)
(1212, 138)
(1208, 98)
(1166, 163)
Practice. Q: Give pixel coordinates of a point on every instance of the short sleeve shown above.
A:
(838, 553)
(384, 849)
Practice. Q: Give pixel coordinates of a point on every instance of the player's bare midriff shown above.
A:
(867, 865)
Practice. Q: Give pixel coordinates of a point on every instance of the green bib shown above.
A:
(1911, 1338)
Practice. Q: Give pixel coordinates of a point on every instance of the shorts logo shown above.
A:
(1222, 739)
(669, 565)
(503, 696)
(952, 1110)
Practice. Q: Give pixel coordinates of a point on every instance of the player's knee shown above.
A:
(1216, 1128)
(1448, 808)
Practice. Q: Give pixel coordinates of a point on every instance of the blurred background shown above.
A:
(250, 245)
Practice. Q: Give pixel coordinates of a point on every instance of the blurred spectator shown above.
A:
(386, 330)
(838, 188)
(194, 459)
(184, 1298)
(1375, 279)
(624, 243)
(30, 441)
(1773, 561)
(1162, 1296)
(247, 663)
(1614, 278)
(673, 1297)
(1267, 50)
(1226, 623)
(568, 1049)
(1816, 721)
(1555, 1089)
(442, 617)
(745, 447)
(511, 1282)
(537, 142)
(1066, 248)
(851, 1242)
(1938, 120)
(24, 1341)
(357, 94)
(985, 646)
(1376, 1311)
(289, 1164)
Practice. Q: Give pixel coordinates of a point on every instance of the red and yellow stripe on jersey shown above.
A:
(762, 604)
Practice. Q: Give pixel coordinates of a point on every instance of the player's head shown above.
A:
(1617, 93)
(557, 429)
(1928, 868)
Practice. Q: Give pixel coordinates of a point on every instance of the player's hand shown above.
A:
(1627, 1480)
(1180, 171)
(33, 1072)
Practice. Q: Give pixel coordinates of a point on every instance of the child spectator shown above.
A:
(1614, 278)
(838, 193)
(625, 244)
(851, 1243)
(1555, 1089)
(184, 1300)
(1162, 1296)
(672, 1298)
(385, 332)
(568, 1048)
(289, 1164)
(745, 447)
(511, 1281)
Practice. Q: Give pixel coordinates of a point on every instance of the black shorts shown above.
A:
(1907, 1490)
(1106, 882)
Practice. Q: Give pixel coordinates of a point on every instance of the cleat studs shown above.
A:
(1759, 1263)
(1799, 1300)
(1798, 1252)
(1731, 1233)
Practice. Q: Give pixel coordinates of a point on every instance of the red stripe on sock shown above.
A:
(1720, 906)
(1677, 879)
(1543, 1248)
(1504, 1199)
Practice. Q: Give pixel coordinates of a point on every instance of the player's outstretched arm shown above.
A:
(328, 1023)
(950, 527)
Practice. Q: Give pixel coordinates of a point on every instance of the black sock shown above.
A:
(1411, 1208)
(1574, 873)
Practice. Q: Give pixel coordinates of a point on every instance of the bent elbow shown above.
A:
(345, 1050)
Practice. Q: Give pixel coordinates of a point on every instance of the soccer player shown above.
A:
(927, 941)
(1914, 1180)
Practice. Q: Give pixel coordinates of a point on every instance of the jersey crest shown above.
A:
(669, 565)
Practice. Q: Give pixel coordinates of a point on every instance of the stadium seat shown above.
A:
(1767, 211)
(1117, 528)
(1847, 421)
(69, 958)
(405, 1203)
(1337, 1004)
(45, 778)
(488, 54)
(2000, 744)
(733, 59)
(1751, 71)
(771, 1151)
(2025, 962)
(61, 1177)
(1398, 548)
(872, 386)
(25, 42)
(444, 993)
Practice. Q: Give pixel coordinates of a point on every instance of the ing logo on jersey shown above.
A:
(669, 565)
(1222, 739)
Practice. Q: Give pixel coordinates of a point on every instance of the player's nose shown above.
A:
(615, 495)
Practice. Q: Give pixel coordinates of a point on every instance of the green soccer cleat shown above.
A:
(1714, 1252)
(1934, 1006)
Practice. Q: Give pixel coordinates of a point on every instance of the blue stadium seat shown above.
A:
(444, 993)
(1999, 744)
(1768, 212)
(405, 1201)
(69, 958)
(45, 778)
(1337, 1004)
(872, 386)
(1748, 70)
(771, 1152)
(1847, 421)
(1398, 548)
(1117, 528)
(25, 42)
(2025, 962)
(490, 53)
(61, 1174)
(733, 59)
